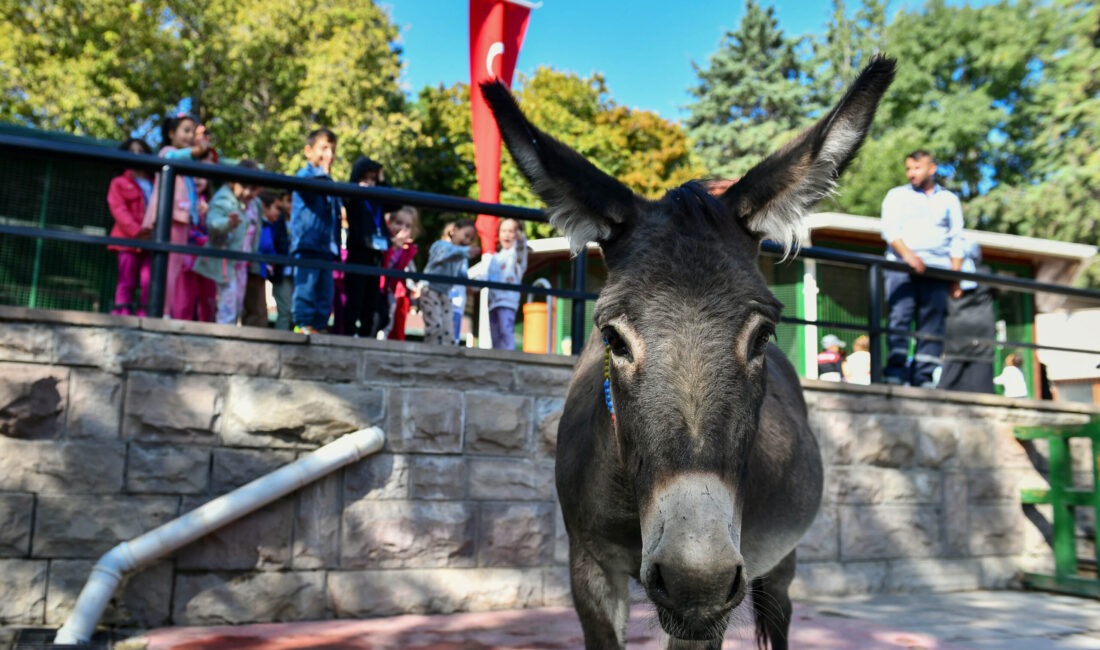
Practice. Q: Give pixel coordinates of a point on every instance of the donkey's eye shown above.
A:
(618, 346)
(760, 344)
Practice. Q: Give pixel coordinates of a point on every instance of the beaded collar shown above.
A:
(607, 380)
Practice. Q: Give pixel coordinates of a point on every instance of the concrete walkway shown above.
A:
(1005, 620)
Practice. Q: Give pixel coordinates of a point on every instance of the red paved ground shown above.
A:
(539, 629)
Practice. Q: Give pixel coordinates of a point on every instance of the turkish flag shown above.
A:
(497, 28)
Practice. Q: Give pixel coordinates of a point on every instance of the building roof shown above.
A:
(989, 241)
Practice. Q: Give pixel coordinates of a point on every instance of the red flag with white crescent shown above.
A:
(497, 28)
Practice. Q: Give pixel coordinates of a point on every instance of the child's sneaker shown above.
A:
(304, 329)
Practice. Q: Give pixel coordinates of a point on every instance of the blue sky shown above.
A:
(644, 48)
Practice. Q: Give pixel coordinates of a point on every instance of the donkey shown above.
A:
(685, 459)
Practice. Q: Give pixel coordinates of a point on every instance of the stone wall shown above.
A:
(111, 426)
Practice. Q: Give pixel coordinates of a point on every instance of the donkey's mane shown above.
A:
(693, 201)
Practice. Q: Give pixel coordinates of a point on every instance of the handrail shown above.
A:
(874, 265)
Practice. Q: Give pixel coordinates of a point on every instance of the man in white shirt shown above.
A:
(921, 223)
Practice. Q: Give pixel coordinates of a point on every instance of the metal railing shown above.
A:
(160, 246)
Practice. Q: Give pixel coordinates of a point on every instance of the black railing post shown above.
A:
(874, 318)
(580, 274)
(162, 234)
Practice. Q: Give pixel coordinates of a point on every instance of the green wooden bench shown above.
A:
(1063, 497)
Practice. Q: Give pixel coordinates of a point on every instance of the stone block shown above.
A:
(321, 362)
(933, 575)
(561, 537)
(260, 540)
(233, 599)
(956, 514)
(853, 485)
(143, 600)
(817, 579)
(888, 532)
(424, 421)
(138, 350)
(232, 468)
(262, 412)
(516, 535)
(27, 342)
(510, 479)
(358, 594)
(33, 400)
(383, 367)
(217, 356)
(1002, 485)
(543, 381)
(51, 467)
(822, 541)
(161, 469)
(23, 584)
(95, 405)
(938, 443)
(94, 347)
(874, 439)
(498, 424)
(16, 517)
(547, 417)
(448, 368)
(317, 524)
(438, 477)
(977, 445)
(996, 529)
(167, 407)
(79, 526)
(408, 534)
(912, 486)
(1001, 572)
(381, 476)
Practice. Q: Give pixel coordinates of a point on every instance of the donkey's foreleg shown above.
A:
(602, 600)
(681, 644)
(771, 604)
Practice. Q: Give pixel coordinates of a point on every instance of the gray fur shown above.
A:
(709, 476)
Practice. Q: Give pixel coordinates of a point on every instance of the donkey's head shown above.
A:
(686, 320)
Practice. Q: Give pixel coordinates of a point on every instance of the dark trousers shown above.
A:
(924, 300)
(366, 312)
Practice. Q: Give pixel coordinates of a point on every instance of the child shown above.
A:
(233, 223)
(857, 368)
(127, 198)
(181, 136)
(445, 258)
(508, 264)
(275, 240)
(830, 361)
(404, 228)
(315, 235)
(1011, 377)
(368, 241)
(196, 296)
(254, 308)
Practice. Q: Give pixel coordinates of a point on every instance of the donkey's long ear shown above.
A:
(583, 202)
(772, 197)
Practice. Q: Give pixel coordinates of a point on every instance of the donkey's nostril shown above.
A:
(657, 582)
(735, 588)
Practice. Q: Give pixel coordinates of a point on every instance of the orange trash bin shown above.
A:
(534, 327)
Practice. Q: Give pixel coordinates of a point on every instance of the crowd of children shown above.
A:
(309, 226)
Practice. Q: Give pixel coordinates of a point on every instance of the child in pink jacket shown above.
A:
(127, 197)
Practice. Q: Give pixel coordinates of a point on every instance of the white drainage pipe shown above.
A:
(143, 550)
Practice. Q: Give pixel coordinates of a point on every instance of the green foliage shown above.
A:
(259, 74)
(641, 149)
(749, 96)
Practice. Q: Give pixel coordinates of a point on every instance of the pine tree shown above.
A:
(749, 96)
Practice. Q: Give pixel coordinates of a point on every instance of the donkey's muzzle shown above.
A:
(692, 568)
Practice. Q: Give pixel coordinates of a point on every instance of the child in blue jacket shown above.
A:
(315, 234)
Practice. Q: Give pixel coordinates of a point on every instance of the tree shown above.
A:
(749, 96)
(1055, 193)
(259, 74)
(640, 148)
